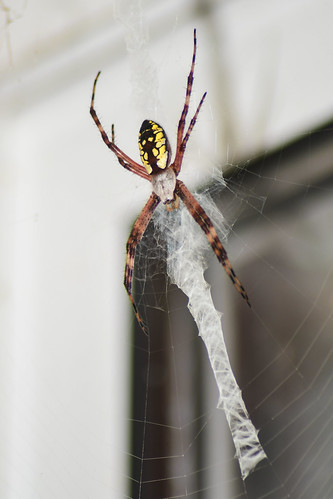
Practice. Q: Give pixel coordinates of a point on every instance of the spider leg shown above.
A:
(136, 234)
(182, 141)
(200, 216)
(181, 124)
(123, 159)
(181, 152)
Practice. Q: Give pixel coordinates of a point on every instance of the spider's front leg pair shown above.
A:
(155, 154)
(201, 217)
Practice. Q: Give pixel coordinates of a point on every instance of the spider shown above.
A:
(155, 152)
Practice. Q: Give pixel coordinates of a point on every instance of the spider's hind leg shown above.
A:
(181, 138)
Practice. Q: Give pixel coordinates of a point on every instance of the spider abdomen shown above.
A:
(154, 147)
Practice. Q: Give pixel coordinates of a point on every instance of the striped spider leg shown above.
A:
(136, 234)
(155, 152)
(201, 217)
(123, 159)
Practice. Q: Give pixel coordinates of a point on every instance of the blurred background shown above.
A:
(89, 407)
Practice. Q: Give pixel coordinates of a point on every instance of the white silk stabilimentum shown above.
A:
(186, 266)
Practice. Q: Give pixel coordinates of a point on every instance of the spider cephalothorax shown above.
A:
(155, 155)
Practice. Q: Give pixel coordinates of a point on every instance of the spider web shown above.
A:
(281, 351)
(57, 385)
(185, 267)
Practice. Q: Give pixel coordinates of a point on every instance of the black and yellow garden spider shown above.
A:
(155, 155)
